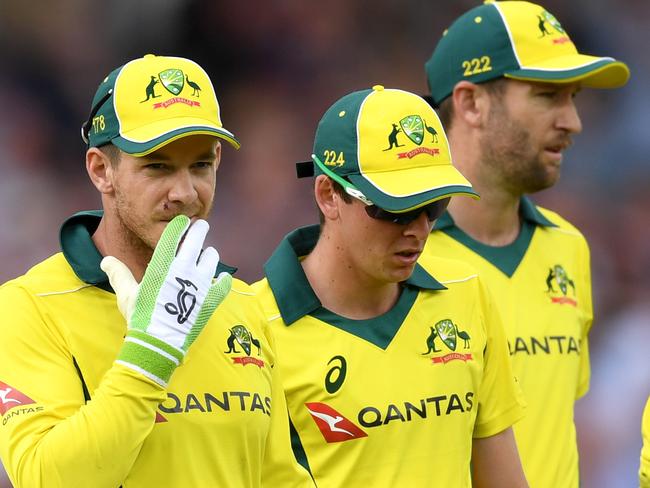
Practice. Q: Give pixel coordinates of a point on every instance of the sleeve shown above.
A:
(644, 470)
(49, 437)
(280, 465)
(585, 299)
(500, 399)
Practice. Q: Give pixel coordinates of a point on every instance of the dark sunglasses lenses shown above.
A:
(433, 210)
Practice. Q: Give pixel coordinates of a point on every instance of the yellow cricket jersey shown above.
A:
(542, 286)
(71, 417)
(644, 470)
(394, 400)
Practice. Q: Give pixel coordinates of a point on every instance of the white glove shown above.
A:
(167, 311)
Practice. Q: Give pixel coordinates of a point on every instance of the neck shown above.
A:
(111, 239)
(494, 218)
(344, 289)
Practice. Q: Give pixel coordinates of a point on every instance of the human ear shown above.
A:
(100, 170)
(470, 103)
(326, 197)
(217, 152)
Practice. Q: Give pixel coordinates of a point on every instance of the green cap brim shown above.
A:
(590, 71)
(143, 148)
(410, 202)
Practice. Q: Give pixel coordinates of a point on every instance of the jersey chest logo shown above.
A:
(450, 336)
(334, 426)
(241, 336)
(557, 286)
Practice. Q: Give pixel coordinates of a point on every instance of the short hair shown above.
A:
(338, 188)
(112, 152)
(494, 87)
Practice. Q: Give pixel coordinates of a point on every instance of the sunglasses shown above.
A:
(433, 210)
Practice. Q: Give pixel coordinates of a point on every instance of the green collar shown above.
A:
(505, 258)
(81, 253)
(290, 287)
(527, 209)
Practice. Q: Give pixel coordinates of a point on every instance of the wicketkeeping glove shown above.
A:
(166, 312)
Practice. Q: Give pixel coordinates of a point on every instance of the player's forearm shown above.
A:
(95, 446)
(496, 463)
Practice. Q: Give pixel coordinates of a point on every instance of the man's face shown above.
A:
(178, 178)
(380, 252)
(528, 127)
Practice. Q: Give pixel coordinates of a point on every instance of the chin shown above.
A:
(402, 275)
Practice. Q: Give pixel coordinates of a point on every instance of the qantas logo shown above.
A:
(334, 426)
(10, 398)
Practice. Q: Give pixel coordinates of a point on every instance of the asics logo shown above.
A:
(185, 301)
(334, 426)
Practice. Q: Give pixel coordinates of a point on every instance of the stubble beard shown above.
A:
(132, 230)
(509, 156)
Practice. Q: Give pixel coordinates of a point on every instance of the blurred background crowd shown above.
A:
(277, 65)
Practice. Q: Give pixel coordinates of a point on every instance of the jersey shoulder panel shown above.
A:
(264, 294)
(447, 270)
(562, 224)
(53, 275)
(241, 288)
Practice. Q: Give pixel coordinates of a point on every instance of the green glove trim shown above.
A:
(156, 272)
(150, 362)
(172, 304)
(157, 343)
(216, 294)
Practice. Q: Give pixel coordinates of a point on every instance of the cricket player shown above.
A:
(504, 77)
(118, 370)
(395, 375)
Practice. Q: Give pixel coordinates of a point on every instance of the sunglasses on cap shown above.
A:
(433, 210)
(85, 127)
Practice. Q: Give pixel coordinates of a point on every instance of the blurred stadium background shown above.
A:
(277, 66)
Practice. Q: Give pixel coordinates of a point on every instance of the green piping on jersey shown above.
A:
(296, 446)
(505, 258)
(295, 297)
(82, 255)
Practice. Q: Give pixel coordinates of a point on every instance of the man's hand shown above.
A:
(166, 312)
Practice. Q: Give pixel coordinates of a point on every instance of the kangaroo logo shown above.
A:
(194, 86)
(173, 80)
(392, 138)
(240, 335)
(431, 342)
(185, 301)
(542, 26)
(448, 333)
(559, 275)
(150, 89)
(334, 426)
(10, 398)
(4, 396)
(547, 17)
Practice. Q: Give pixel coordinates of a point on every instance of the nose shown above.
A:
(182, 189)
(569, 119)
(419, 228)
